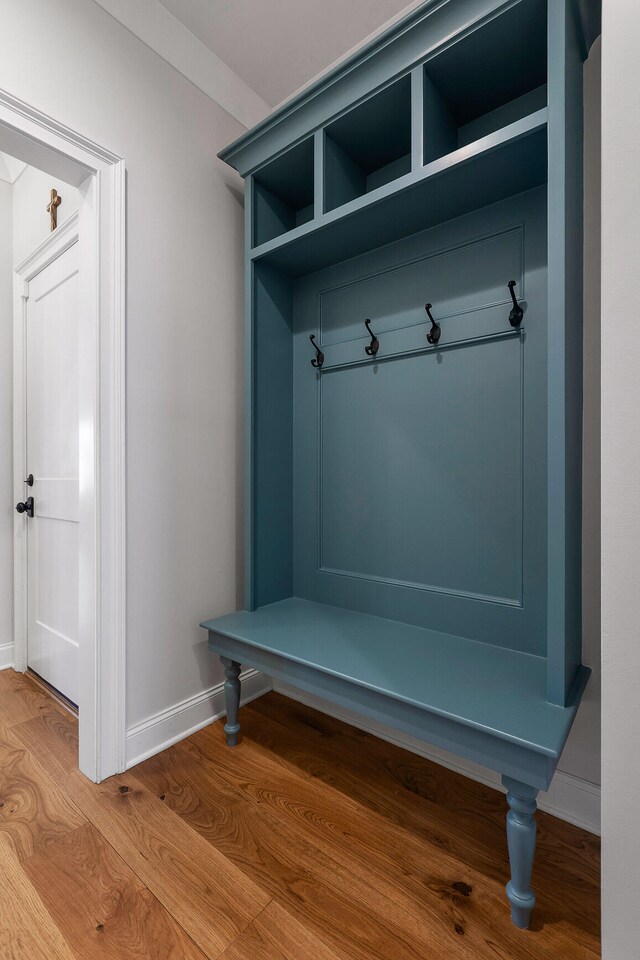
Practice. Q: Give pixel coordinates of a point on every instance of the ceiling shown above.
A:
(277, 46)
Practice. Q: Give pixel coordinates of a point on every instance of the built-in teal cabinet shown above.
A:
(413, 376)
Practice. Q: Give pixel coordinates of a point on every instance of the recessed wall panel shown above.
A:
(421, 481)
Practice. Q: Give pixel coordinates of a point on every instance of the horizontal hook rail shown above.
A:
(490, 321)
(412, 351)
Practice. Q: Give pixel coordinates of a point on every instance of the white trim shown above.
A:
(167, 727)
(152, 23)
(569, 797)
(50, 249)
(575, 800)
(100, 176)
(6, 656)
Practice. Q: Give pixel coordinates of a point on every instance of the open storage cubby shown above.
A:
(413, 473)
(283, 193)
(369, 146)
(490, 77)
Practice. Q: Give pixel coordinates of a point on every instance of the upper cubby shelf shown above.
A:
(497, 166)
(469, 106)
(368, 146)
(283, 193)
(493, 76)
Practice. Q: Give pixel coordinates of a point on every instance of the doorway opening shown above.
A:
(48, 317)
(69, 432)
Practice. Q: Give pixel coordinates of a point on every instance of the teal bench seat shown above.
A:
(485, 702)
(477, 700)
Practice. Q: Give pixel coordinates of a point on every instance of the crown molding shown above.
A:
(421, 31)
(152, 23)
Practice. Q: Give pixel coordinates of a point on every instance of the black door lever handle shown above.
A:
(26, 507)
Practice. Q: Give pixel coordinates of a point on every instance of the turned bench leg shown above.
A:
(231, 699)
(521, 839)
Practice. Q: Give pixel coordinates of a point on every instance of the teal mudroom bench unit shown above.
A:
(414, 386)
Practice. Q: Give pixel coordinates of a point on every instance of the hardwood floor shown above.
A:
(309, 841)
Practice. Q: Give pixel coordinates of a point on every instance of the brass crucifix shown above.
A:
(52, 208)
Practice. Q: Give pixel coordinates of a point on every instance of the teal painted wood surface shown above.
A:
(420, 481)
(283, 193)
(412, 519)
(499, 165)
(272, 445)
(496, 691)
(369, 146)
(564, 566)
(521, 839)
(232, 700)
(506, 757)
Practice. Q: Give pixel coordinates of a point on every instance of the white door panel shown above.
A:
(57, 498)
(52, 458)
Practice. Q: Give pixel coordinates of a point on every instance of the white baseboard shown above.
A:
(160, 731)
(569, 798)
(6, 655)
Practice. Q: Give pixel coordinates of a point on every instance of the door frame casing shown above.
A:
(100, 225)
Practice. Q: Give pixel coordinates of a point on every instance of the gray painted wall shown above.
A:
(620, 481)
(184, 304)
(31, 192)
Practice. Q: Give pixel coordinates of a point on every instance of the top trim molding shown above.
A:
(403, 44)
(55, 129)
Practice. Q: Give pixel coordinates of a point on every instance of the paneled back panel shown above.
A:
(408, 479)
(420, 477)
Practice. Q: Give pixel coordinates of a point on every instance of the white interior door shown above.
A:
(52, 458)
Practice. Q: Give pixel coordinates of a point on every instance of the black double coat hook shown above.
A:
(373, 347)
(517, 313)
(318, 360)
(434, 333)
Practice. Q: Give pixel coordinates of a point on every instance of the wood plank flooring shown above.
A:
(309, 841)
